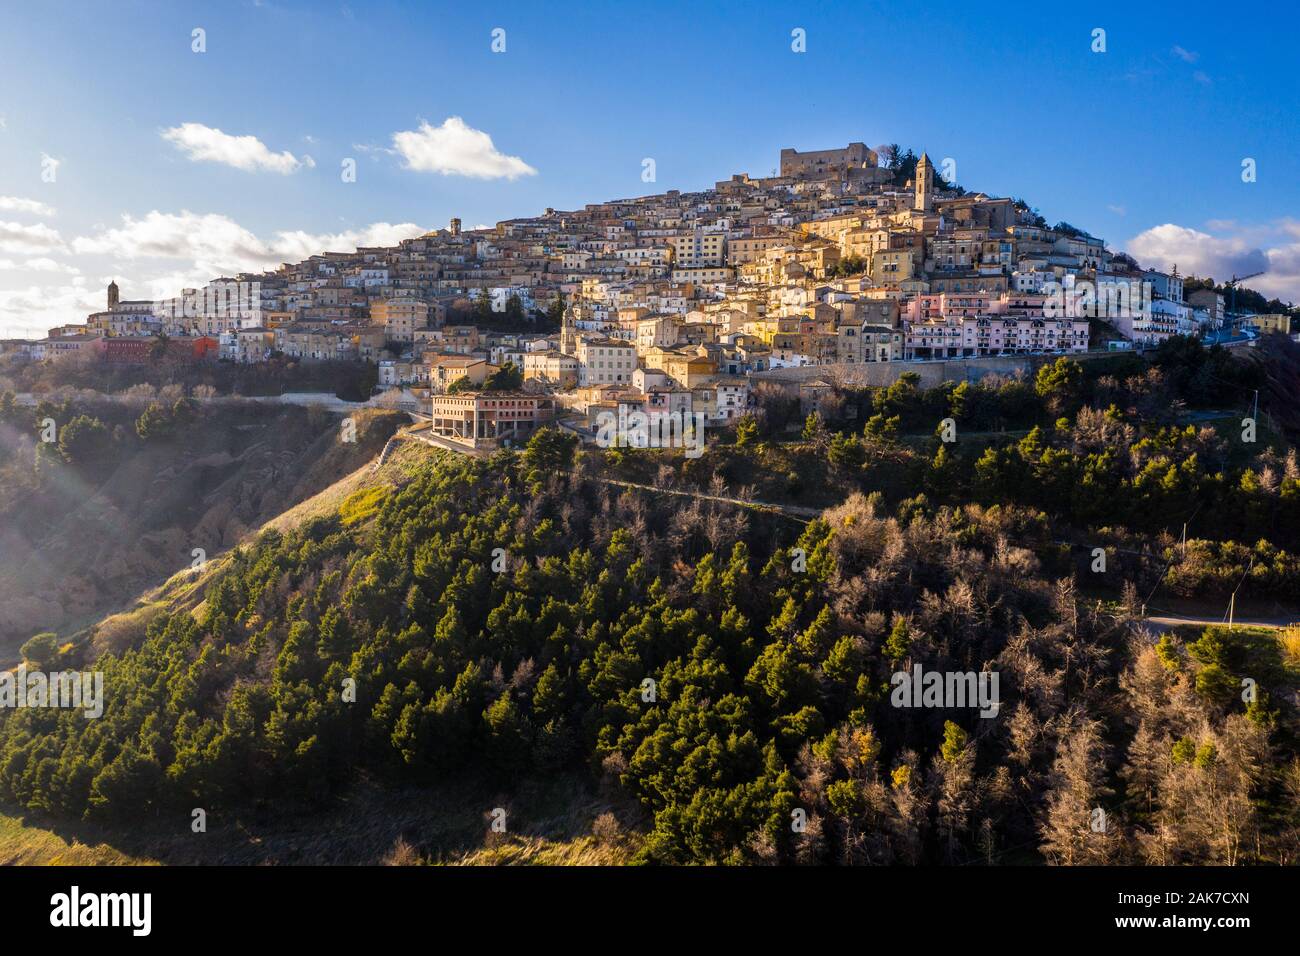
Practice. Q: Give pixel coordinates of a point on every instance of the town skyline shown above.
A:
(209, 176)
(299, 246)
(847, 258)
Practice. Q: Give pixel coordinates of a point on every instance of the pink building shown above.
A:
(947, 305)
(963, 337)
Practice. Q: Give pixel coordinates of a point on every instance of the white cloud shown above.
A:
(205, 144)
(217, 245)
(30, 311)
(216, 241)
(18, 204)
(37, 238)
(158, 285)
(40, 264)
(167, 251)
(1187, 56)
(1231, 249)
(457, 149)
(298, 244)
(1197, 253)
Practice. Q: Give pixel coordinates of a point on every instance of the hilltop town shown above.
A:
(849, 264)
(936, 577)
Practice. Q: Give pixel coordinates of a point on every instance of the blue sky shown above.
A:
(1141, 144)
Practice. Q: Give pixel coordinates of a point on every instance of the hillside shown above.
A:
(559, 821)
(81, 538)
(711, 676)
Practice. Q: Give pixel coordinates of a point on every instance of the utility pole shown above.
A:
(1184, 539)
(1232, 601)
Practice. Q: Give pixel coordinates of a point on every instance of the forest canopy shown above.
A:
(726, 671)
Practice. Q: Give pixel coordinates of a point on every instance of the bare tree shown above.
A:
(1077, 829)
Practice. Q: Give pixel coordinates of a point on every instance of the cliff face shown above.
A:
(77, 543)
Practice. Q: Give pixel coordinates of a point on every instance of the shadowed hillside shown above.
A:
(126, 494)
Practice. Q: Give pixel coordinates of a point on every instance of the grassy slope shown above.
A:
(549, 822)
(24, 844)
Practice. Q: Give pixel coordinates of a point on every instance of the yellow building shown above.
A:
(750, 248)
(605, 361)
(699, 248)
(686, 368)
(551, 368)
(1273, 322)
(767, 329)
(400, 317)
(656, 331)
(446, 370)
(893, 265)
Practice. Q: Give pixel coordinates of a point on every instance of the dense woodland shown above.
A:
(770, 735)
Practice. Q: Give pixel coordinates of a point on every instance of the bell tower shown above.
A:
(112, 296)
(924, 185)
(568, 334)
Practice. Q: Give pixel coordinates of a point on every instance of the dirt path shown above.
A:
(794, 511)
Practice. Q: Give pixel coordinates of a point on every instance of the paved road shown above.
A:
(421, 434)
(1163, 622)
